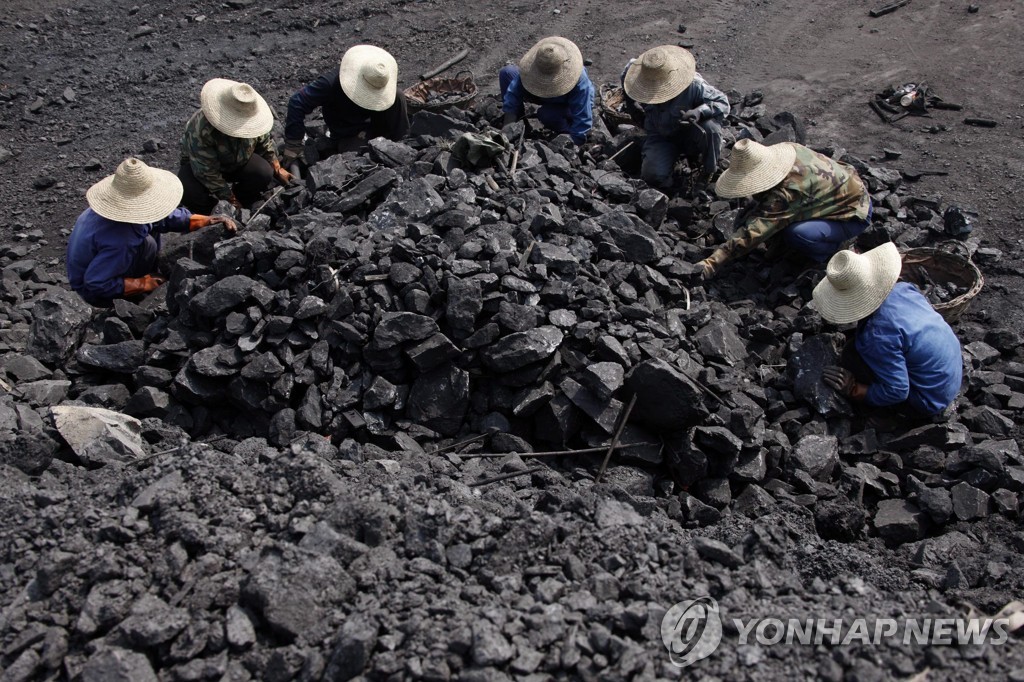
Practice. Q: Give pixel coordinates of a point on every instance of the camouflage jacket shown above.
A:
(212, 154)
(816, 187)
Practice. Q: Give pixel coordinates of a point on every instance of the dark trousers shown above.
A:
(701, 143)
(248, 183)
(146, 259)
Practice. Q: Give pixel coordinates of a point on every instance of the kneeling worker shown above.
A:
(114, 247)
(815, 203)
(551, 74)
(911, 351)
(359, 101)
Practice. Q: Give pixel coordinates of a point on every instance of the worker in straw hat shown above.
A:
(114, 246)
(681, 112)
(551, 74)
(226, 151)
(905, 353)
(359, 101)
(815, 203)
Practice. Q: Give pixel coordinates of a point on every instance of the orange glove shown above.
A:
(283, 176)
(134, 286)
(198, 222)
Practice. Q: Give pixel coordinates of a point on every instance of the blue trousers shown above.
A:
(552, 116)
(820, 239)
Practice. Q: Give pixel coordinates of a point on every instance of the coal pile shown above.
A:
(265, 491)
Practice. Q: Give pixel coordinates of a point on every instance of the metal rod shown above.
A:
(455, 446)
(615, 440)
(628, 145)
(447, 65)
(505, 477)
(264, 204)
(554, 453)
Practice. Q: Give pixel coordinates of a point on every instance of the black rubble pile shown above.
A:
(402, 300)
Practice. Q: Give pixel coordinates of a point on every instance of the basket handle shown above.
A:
(471, 76)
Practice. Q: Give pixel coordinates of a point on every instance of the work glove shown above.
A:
(283, 176)
(133, 286)
(198, 222)
(292, 150)
(843, 381)
(709, 268)
(691, 116)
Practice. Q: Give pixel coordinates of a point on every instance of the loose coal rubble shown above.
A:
(400, 301)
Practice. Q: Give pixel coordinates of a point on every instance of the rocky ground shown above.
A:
(262, 472)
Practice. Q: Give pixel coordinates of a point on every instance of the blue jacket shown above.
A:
(578, 102)
(663, 119)
(913, 352)
(344, 118)
(101, 252)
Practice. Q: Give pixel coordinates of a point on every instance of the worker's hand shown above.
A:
(229, 224)
(233, 200)
(283, 176)
(691, 116)
(709, 268)
(292, 150)
(133, 286)
(843, 381)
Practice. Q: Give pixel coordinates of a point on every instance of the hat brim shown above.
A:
(356, 89)
(156, 203)
(857, 302)
(773, 169)
(682, 68)
(548, 85)
(228, 122)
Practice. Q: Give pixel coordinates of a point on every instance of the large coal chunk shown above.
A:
(718, 340)
(521, 349)
(899, 521)
(665, 397)
(465, 301)
(121, 358)
(817, 455)
(398, 328)
(294, 596)
(361, 195)
(804, 370)
(637, 240)
(58, 319)
(439, 399)
(227, 294)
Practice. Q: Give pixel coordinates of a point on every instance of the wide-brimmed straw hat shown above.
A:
(235, 109)
(659, 74)
(551, 68)
(856, 284)
(135, 194)
(755, 168)
(369, 77)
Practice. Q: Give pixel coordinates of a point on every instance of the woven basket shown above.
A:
(612, 97)
(944, 268)
(461, 88)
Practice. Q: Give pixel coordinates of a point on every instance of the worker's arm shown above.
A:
(581, 109)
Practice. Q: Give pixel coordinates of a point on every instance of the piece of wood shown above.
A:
(980, 122)
(947, 106)
(615, 440)
(612, 157)
(447, 65)
(875, 107)
(505, 477)
(891, 7)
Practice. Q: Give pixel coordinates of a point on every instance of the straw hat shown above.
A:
(135, 194)
(754, 168)
(235, 109)
(856, 284)
(369, 77)
(551, 68)
(659, 74)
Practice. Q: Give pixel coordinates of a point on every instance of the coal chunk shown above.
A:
(804, 370)
(398, 328)
(226, 294)
(121, 358)
(518, 350)
(666, 397)
(439, 399)
(970, 503)
(817, 455)
(58, 319)
(899, 521)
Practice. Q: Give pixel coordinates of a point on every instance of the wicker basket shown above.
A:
(943, 267)
(461, 90)
(612, 97)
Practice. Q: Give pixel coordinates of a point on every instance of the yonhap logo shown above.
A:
(691, 631)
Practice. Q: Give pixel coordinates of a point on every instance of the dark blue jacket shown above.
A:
(578, 103)
(344, 118)
(913, 352)
(102, 252)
